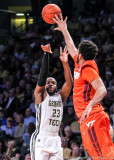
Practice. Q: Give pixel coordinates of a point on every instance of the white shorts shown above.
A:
(45, 146)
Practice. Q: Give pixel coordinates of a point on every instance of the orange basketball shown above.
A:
(49, 11)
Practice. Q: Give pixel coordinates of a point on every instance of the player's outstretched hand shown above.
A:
(85, 113)
(46, 48)
(64, 55)
(62, 25)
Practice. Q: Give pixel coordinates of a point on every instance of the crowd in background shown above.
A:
(20, 62)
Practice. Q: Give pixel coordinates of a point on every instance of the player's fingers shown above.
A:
(61, 16)
(57, 18)
(65, 49)
(61, 53)
(66, 19)
(55, 29)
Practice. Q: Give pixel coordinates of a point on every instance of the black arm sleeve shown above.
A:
(44, 70)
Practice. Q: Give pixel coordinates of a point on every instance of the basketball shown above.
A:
(49, 11)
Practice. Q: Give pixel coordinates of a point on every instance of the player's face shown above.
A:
(51, 86)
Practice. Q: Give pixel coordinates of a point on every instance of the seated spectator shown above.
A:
(2, 118)
(70, 101)
(69, 118)
(19, 94)
(28, 93)
(3, 71)
(2, 147)
(12, 104)
(61, 130)
(28, 157)
(9, 128)
(66, 150)
(21, 128)
(108, 99)
(82, 151)
(75, 125)
(112, 114)
(75, 154)
(26, 137)
(12, 151)
(2, 103)
(73, 143)
(32, 106)
(69, 135)
(28, 117)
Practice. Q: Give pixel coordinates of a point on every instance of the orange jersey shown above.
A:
(83, 91)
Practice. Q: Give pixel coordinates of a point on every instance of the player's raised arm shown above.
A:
(62, 26)
(66, 89)
(40, 87)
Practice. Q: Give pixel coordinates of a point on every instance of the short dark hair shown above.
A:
(88, 49)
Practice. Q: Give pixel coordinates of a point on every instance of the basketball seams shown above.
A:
(48, 9)
(48, 18)
(52, 13)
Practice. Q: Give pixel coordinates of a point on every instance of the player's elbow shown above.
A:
(104, 91)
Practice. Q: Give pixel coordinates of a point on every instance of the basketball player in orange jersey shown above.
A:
(45, 142)
(89, 91)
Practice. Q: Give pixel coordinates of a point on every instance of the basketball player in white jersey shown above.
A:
(45, 141)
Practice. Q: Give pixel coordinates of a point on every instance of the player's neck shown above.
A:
(81, 62)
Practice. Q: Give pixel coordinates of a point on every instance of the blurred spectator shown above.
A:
(3, 71)
(18, 53)
(112, 114)
(2, 118)
(12, 151)
(32, 106)
(66, 150)
(9, 128)
(2, 147)
(28, 157)
(21, 128)
(22, 84)
(61, 130)
(28, 93)
(12, 104)
(69, 135)
(69, 118)
(73, 143)
(2, 103)
(75, 154)
(108, 99)
(26, 137)
(28, 117)
(19, 94)
(75, 125)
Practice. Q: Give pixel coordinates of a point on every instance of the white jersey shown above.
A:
(49, 114)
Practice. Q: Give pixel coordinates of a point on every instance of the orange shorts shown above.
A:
(96, 138)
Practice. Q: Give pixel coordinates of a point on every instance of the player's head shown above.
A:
(51, 85)
(88, 50)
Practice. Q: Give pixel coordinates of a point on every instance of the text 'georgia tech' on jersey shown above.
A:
(51, 111)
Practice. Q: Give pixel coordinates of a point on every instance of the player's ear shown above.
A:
(80, 56)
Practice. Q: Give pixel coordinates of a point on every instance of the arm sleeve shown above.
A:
(44, 70)
(89, 74)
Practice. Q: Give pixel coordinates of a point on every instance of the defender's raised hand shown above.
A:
(60, 22)
(64, 55)
(46, 48)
